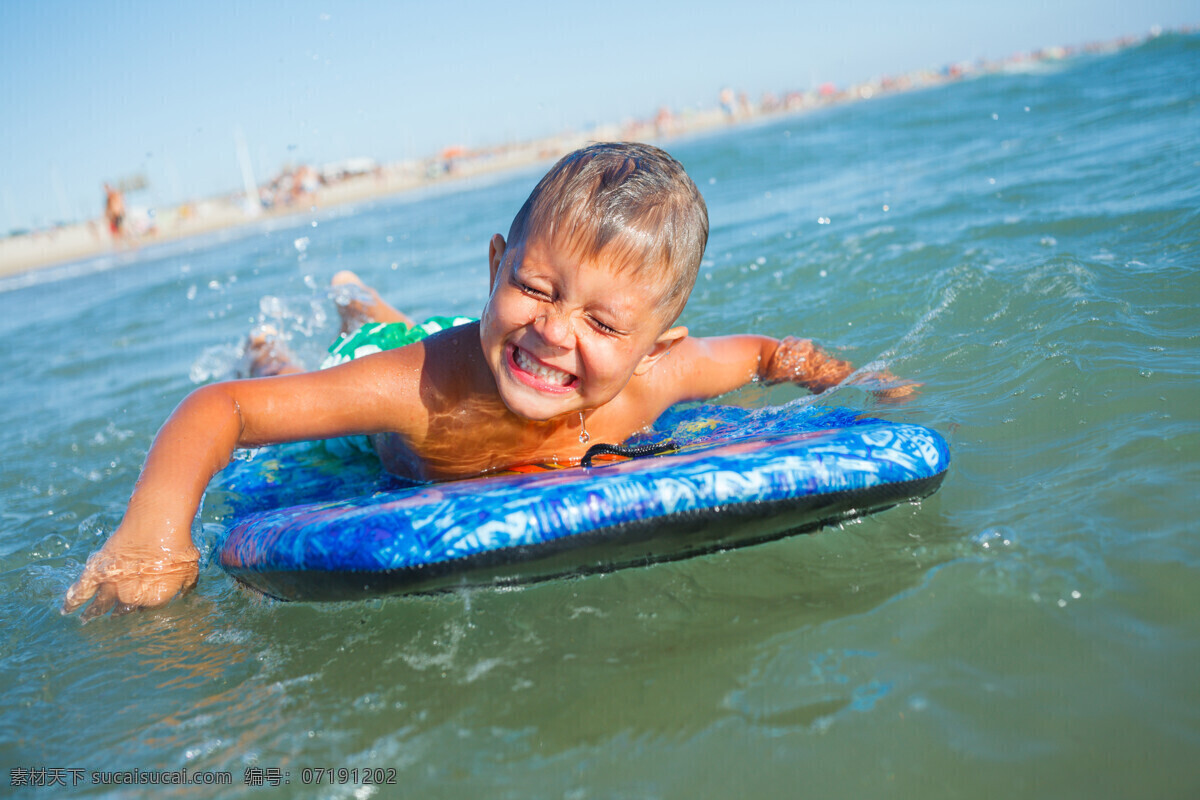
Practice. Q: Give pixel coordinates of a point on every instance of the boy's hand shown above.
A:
(128, 579)
(803, 362)
(886, 387)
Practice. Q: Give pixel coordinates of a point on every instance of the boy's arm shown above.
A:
(701, 368)
(150, 557)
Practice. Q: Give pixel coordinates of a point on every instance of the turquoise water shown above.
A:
(1026, 244)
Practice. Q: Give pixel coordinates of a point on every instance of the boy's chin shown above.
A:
(534, 411)
(531, 405)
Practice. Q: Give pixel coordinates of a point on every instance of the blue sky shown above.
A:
(96, 91)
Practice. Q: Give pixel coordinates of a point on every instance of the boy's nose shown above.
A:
(555, 327)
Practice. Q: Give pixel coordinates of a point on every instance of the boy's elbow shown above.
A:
(216, 407)
(221, 395)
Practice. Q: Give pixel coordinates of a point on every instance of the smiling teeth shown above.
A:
(541, 371)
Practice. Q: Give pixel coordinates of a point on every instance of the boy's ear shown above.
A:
(662, 346)
(496, 249)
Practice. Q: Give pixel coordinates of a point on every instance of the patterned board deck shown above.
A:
(311, 525)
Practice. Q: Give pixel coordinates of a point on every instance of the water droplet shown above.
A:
(584, 436)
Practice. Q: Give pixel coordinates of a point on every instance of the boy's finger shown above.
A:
(898, 394)
(176, 580)
(80, 592)
(106, 598)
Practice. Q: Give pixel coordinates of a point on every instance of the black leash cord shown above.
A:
(627, 451)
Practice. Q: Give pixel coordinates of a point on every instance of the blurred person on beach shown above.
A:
(577, 342)
(114, 211)
(304, 185)
(726, 102)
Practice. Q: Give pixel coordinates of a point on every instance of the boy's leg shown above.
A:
(266, 355)
(358, 303)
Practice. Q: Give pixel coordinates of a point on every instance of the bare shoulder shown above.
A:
(378, 393)
(386, 385)
(699, 368)
(446, 370)
(667, 381)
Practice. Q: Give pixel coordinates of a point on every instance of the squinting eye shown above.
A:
(527, 289)
(602, 327)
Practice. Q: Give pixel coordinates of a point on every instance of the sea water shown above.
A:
(1025, 244)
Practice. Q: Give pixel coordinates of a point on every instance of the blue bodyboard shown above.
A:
(311, 525)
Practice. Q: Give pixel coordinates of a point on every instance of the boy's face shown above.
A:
(562, 334)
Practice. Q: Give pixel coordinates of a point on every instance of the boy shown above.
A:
(577, 342)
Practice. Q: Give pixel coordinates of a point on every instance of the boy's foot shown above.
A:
(265, 354)
(358, 303)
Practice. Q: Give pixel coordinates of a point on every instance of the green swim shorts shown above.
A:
(375, 337)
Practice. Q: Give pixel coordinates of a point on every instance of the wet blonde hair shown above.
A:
(632, 202)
